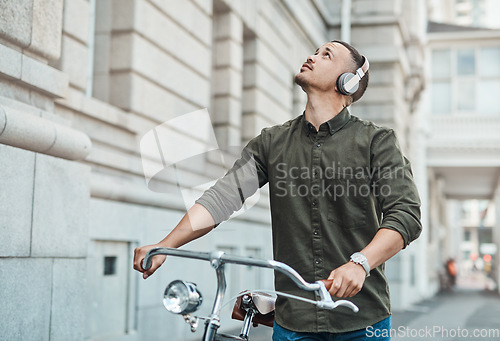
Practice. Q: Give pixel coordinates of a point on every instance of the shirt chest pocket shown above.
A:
(348, 202)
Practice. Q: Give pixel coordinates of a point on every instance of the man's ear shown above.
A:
(348, 101)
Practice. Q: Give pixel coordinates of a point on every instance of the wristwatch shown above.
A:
(359, 258)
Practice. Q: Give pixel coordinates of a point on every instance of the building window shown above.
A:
(489, 59)
(466, 81)
(465, 86)
(441, 62)
(489, 99)
(109, 265)
(489, 86)
(441, 86)
(466, 62)
(441, 97)
(466, 95)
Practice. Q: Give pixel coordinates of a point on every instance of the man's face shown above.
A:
(322, 69)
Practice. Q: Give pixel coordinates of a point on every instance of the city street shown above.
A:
(468, 312)
(462, 314)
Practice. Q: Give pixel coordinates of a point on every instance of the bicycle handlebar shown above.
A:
(221, 258)
(217, 258)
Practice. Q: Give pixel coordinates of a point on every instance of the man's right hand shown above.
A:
(140, 253)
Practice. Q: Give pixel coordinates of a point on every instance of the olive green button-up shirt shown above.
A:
(330, 191)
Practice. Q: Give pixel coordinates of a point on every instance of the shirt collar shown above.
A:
(334, 124)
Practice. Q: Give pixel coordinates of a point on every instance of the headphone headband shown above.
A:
(362, 70)
(348, 82)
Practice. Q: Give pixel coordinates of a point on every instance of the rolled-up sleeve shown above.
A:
(246, 176)
(394, 187)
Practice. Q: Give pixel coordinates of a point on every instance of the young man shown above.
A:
(342, 198)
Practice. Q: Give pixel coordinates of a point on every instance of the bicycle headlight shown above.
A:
(182, 297)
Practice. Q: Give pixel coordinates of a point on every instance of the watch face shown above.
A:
(357, 258)
(360, 259)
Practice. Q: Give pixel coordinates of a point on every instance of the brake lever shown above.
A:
(327, 302)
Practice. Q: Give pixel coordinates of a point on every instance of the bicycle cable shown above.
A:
(270, 292)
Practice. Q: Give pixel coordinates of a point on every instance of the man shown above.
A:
(342, 198)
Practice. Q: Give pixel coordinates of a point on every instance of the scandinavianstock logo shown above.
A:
(182, 155)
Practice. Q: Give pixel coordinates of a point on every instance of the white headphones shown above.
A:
(348, 83)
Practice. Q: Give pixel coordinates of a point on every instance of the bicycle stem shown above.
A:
(214, 321)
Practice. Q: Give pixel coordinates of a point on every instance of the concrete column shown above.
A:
(453, 221)
(250, 114)
(102, 50)
(74, 49)
(227, 78)
(496, 237)
(268, 97)
(424, 286)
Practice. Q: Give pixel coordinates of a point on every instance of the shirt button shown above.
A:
(318, 144)
(315, 232)
(318, 261)
(314, 202)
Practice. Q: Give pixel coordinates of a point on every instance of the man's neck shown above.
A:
(322, 107)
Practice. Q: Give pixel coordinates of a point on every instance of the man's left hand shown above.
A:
(348, 280)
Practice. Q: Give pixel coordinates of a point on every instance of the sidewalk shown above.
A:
(468, 312)
(462, 314)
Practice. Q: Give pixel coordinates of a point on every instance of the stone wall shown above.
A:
(44, 199)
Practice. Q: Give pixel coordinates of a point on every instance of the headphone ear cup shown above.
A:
(342, 81)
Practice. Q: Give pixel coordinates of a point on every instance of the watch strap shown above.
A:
(363, 262)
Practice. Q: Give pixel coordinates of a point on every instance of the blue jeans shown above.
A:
(380, 331)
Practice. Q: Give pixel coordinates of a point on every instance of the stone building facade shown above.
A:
(82, 81)
(462, 111)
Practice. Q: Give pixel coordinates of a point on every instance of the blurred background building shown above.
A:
(462, 109)
(82, 81)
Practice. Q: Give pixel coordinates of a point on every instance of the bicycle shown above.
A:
(183, 298)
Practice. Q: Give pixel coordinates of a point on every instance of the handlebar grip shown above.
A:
(328, 283)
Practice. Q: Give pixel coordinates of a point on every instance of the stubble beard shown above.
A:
(300, 81)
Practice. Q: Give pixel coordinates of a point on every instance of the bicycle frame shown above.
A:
(218, 258)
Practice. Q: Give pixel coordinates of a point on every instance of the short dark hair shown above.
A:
(358, 61)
